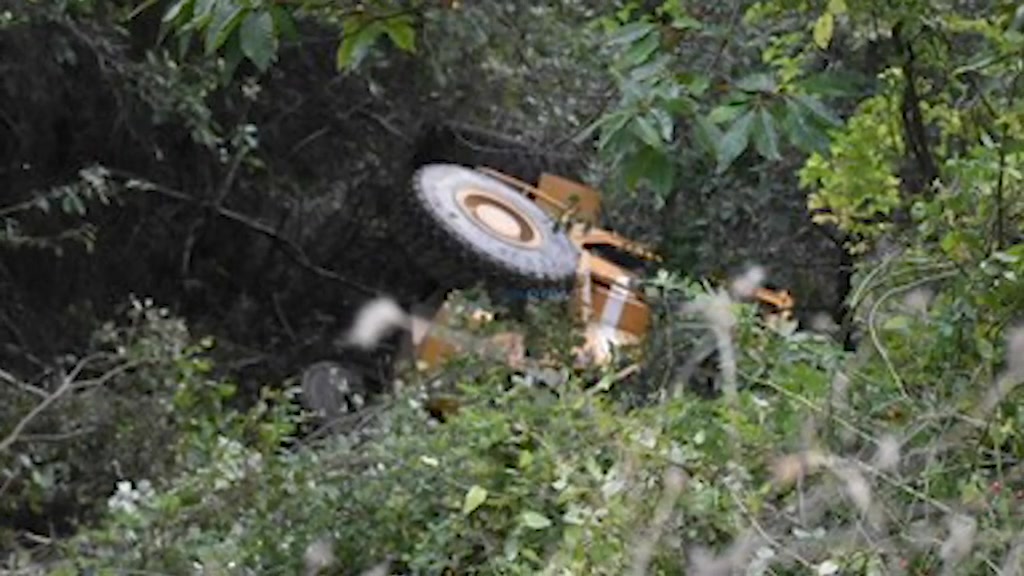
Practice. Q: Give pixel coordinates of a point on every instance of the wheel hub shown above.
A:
(498, 218)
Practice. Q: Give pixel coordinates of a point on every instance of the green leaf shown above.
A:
(837, 7)
(696, 84)
(652, 69)
(726, 113)
(610, 127)
(896, 323)
(686, 23)
(682, 106)
(358, 37)
(225, 20)
(832, 83)
(535, 520)
(72, 204)
(203, 8)
(284, 23)
(766, 138)
(757, 83)
(401, 33)
(820, 112)
(257, 40)
(977, 63)
(232, 56)
(735, 141)
(823, 29)
(653, 166)
(475, 496)
(176, 10)
(666, 124)
(645, 129)
(641, 51)
(707, 134)
(630, 33)
(802, 132)
(662, 175)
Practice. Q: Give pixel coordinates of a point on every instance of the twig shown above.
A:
(21, 385)
(873, 328)
(765, 535)
(282, 318)
(387, 125)
(67, 385)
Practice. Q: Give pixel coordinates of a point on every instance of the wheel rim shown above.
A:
(498, 218)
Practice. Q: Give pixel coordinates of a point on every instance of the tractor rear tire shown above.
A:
(464, 227)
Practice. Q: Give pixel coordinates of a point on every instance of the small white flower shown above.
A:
(827, 568)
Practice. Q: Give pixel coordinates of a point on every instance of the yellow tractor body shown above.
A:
(605, 293)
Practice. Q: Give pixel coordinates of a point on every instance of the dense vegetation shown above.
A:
(197, 200)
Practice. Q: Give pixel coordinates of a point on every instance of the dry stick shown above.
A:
(766, 536)
(873, 328)
(67, 385)
(21, 385)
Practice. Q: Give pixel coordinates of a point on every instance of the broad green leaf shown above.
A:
(896, 323)
(802, 132)
(707, 134)
(204, 8)
(475, 496)
(232, 56)
(401, 33)
(726, 113)
(630, 33)
(831, 83)
(653, 166)
(641, 51)
(535, 520)
(284, 23)
(610, 126)
(766, 138)
(72, 204)
(823, 29)
(661, 174)
(176, 10)
(184, 42)
(645, 129)
(666, 124)
(358, 37)
(735, 141)
(225, 20)
(837, 7)
(686, 23)
(257, 40)
(636, 166)
(819, 110)
(680, 107)
(978, 63)
(697, 84)
(652, 69)
(757, 83)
